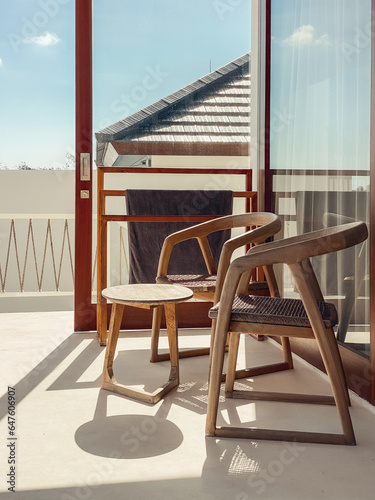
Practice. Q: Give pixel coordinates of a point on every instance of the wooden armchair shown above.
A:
(260, 226)
(309, 317)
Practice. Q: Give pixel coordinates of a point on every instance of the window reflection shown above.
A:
(320, 139)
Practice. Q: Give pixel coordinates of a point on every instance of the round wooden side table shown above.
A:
(145, 296)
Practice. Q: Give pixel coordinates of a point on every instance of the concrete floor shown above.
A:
(76, 441)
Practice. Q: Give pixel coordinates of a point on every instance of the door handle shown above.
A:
(85, 166)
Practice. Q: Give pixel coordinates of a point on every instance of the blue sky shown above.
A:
(143, 50)
(146, 49)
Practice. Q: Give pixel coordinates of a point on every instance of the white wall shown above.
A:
(39, 195)
(37, 191)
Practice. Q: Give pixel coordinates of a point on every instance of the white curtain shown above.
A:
(320, 138)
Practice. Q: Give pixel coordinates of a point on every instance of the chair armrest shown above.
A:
(201, 231)
(226, 222)
(298, 248)
(256, 236)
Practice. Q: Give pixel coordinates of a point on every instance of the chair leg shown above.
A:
(212, 341)
(234, 342)
(339, 393)
(328, 352)
(212, 338)
(287, 351)
(216, 370)
(338, 362)
(287, 364)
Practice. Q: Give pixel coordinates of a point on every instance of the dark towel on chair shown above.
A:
(146, 238)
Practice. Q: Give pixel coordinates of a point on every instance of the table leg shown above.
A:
(156, 323)
(172, 330)
(108, 379)
(114, 330)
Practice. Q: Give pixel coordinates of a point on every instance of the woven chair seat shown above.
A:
(196, 282)
(202, 282)
(275, 311)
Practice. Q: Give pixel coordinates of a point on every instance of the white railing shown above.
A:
(36, 254)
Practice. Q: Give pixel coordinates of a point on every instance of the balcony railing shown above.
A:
(36, 254)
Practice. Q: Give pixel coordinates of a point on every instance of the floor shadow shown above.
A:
(69, 378)
(184, 488)
(131, 367)
(42, 370)
(128, 436)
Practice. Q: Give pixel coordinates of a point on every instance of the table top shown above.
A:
(148, 294)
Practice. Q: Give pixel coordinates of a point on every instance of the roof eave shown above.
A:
(150, 113)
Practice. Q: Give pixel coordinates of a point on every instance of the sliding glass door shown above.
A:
(317, 163)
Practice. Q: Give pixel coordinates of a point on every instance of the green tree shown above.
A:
(70, 161)
(23, 166)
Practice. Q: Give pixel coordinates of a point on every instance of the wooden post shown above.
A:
(84, 312)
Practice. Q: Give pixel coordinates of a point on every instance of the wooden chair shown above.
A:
(261, 225)
(309, 317)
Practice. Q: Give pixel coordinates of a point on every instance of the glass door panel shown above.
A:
(320, 141)
(37, 156)
(144, 62)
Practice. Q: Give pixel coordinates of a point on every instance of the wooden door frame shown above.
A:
(84, 310)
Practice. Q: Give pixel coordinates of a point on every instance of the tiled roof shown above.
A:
(215, 108)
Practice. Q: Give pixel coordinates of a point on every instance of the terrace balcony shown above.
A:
(75, 440)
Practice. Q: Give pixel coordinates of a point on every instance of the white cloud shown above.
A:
(1, 62)
(305, 35)
(44, 40)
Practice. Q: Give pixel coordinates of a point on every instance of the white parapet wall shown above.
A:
(36, 240)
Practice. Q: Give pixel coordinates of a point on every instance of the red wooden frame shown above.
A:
(84, 312)
(267, 111)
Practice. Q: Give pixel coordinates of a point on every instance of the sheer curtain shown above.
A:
(320, 139)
